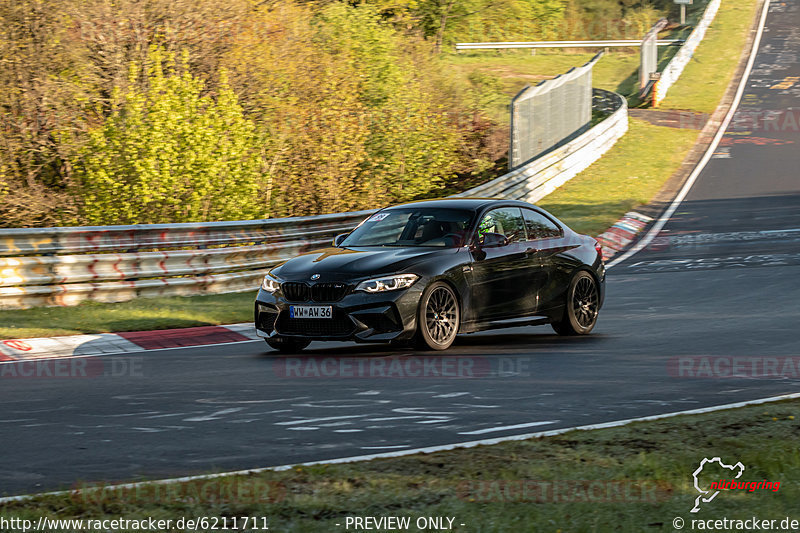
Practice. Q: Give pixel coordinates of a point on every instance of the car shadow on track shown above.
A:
(505, 343)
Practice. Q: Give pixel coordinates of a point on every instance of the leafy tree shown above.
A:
(412, 143)
(282, 107)
(170, 153)
(446, 21)
(308, 105)
(45, 88)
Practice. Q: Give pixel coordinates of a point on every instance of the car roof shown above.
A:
(462, 203)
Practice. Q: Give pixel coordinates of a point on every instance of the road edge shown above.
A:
(627, 243)
(403, 453)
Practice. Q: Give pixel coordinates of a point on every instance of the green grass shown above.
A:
(708, 74)
(469, 484)
(630, 174)
(143, 314)
(633, 171)
(514, 69)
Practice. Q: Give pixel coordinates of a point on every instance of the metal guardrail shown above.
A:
(66, 266)
(43, 241)
(675, 67)
(628, 43)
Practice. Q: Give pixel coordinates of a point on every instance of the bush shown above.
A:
(167, 152)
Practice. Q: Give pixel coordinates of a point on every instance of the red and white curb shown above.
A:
(622, 233)
(123, 342)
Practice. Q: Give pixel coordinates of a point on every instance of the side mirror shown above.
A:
(339, 239)
(493, 240)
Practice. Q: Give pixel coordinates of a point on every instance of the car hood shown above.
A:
(337, 264)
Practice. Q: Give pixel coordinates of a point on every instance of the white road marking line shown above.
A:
(414, 451)
(312, 420)
(505, 428)
(141, 350)
(421, 411)
(227, 401)
(779, 230)
(664, 218)
(215, 415)
(387, 418)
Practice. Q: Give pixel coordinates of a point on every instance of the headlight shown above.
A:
(270, 284)
(388, 283)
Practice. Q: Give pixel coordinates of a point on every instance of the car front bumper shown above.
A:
(358, 316)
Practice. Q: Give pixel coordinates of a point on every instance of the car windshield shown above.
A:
(413, 226)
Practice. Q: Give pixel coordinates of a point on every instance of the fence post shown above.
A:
(648, 59)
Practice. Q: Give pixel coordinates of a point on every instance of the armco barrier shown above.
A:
(66, 266)
(675, 67)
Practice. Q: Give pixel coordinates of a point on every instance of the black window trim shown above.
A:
(556, 224)
(485, 211)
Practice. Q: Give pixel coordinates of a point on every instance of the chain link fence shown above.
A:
(551, 113)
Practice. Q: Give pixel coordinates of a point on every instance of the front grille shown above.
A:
(328, 292)
(296, 291)
(338, 326)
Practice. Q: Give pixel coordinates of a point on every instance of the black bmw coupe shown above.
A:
(426, 271)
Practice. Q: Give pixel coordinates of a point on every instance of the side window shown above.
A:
(505, 221)
(539, 226)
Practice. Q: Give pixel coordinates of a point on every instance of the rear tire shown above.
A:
(438, 317)
(581, 308)
(288, 344)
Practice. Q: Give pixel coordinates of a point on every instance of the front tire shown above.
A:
(581, 308)
(288, 344)
(438, 317)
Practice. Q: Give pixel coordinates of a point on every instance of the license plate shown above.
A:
(310, 311)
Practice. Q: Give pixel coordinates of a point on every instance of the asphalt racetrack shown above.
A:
(706, 315)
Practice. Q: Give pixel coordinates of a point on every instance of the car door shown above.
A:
(500, 287)
(544, 246)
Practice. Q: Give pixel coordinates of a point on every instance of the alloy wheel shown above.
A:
(584, 302)
(441, 315)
